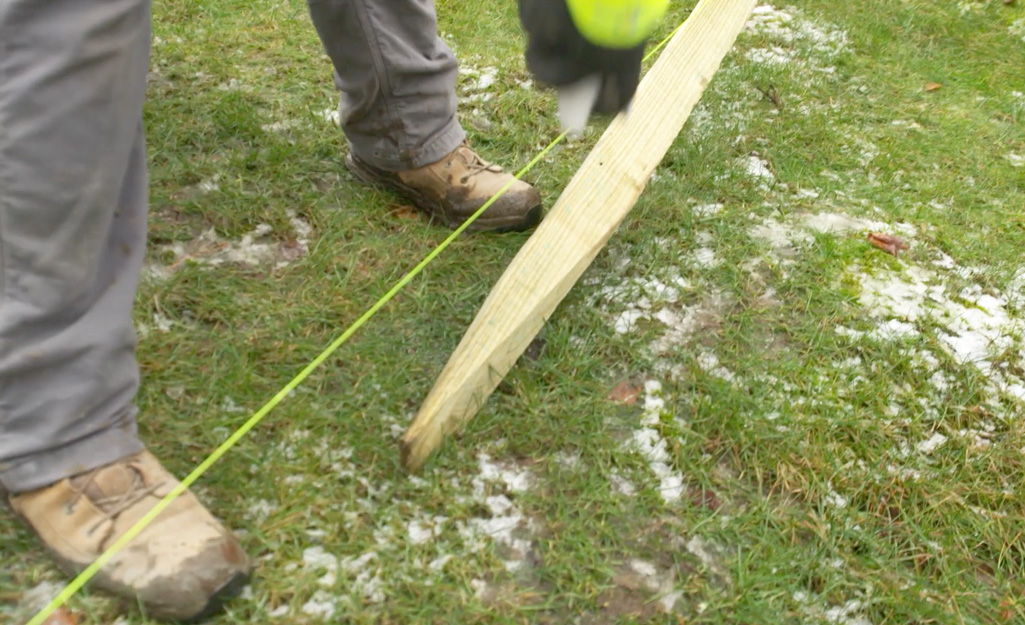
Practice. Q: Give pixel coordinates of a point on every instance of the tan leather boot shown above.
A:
(454, 188)
(181, 567)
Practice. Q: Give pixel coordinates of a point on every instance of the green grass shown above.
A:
(805, 496)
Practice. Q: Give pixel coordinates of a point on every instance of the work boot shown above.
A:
(453, 189)
(181, 567)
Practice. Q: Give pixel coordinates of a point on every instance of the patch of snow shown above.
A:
(779, 235)
(774, 55)
(847, 614)
(889, 330)
(261, 509)
(973, 330)
(229, 405)
(758, 169)
(835, 499)
(364, 579)
(421, 531)
(280, 126)
(931, 444)
(252, 250)
(162, 322)
(650, 444)
(316, 559)
(680, 326)
(709, 363)
(516, 479)
(321, 605)
(568, 460)
(1015, 290)
(973, 326)
(641, 567)
(627, 320)
(439, 563)
(707, 210)
(654, 581)
(1017, 28)
(506, 524)
(210, 184)
(622, 485)
(836, 223)
(795, 40)
(705, 257)
(333, 115)
(703, 551)
(480, 588)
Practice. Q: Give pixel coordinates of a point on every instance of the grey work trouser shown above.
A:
(73, 199)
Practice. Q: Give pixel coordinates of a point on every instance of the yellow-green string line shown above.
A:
(83, 578)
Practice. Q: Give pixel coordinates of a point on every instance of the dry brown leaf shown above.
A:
(704, 498)
(404, 211)
(889, 243)
(932, 86)
(625, 393)
(61, 616)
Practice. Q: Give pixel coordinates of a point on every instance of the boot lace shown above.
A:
(113, 505)
(475, 164)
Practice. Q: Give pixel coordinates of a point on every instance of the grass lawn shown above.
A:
(744, 412)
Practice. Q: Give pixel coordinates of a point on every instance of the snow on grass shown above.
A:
(1017, 28)
(256, 248)
(333, 115)
(33, 600)
(409, 542)
(640, 573)
(648, 441)
(707, 210)
(795, 40)
(974, 326)
(477, 83)
(506, 525)
(622, 485)
(756, 167)
(210, 184)
(820, 611)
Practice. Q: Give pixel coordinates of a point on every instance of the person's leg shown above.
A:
(396, 77)
(398, 102)
(72, 232)
(73, 203)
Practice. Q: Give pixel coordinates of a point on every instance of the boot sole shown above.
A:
(434, 213)
(215, 605)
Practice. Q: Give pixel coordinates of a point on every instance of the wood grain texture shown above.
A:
(585, 216)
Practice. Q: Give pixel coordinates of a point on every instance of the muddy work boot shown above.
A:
(454, 188)
(181, 567)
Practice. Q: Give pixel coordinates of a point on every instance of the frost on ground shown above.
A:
(974, 326)
(32, 601)
(1017, 28)
(786, 46)
(477, 83)
(794, 39)
(410, 544)
(255, 249)
(818, 611)
(649, 442)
